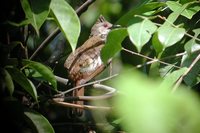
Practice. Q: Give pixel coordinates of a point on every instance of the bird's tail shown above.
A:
(77, 93)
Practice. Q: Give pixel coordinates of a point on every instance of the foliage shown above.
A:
(164, 34)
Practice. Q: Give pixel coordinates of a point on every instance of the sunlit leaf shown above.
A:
(36, 12)
(140, 32)
(169, 35)
(23, 81)
(43, 70)
(113, 43)
(67, 20)
(188, 12)
(39, 122)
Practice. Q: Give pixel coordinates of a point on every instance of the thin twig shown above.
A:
(87, 84)
(149, 58)
(79, 11)
(87, 107)
(178, 82)
(61, 80)
(111, 93)
(45, 42)
(165, 58)
(79, 124)
(84, 7)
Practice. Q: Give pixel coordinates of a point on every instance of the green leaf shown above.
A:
(43, 70)
(124, 20)
(192, 78)
(36, 12)
(67, 20)
(23, 81)
(186, 1)
(22, 23)
(171, 78)
(188, 12)
(168, 35)
(113, 43)
(174, 15)
(192, 45)
(8, 82)
(140, 32)
(156, 44)
(154, 70)
(165, 70)
(39, 122)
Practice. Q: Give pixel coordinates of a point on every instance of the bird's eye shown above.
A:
(105, 25)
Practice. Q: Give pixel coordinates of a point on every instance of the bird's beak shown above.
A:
(116, 26)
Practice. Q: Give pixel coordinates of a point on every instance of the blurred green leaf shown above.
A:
(188, 12)
(23, 81)
(67, 20)
(124, 20)
(140, 32)
(43, 70)
(8, 82)
(113, 43)
(36, 12)
(39, 122)
(169, 35)
(141, 102)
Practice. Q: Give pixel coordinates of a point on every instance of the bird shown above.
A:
(85, 62)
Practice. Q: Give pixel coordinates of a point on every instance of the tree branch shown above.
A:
(87, 107)
(87, 84)
(61, 80)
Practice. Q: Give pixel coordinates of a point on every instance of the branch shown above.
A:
(45, 42)
(111, 93)
(178, 82)
(87, 107)
(87, 84)
(61, 80)
(152, 60)
(79, 11)
(84, 7)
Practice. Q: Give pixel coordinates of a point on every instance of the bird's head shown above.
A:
(101, 27)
